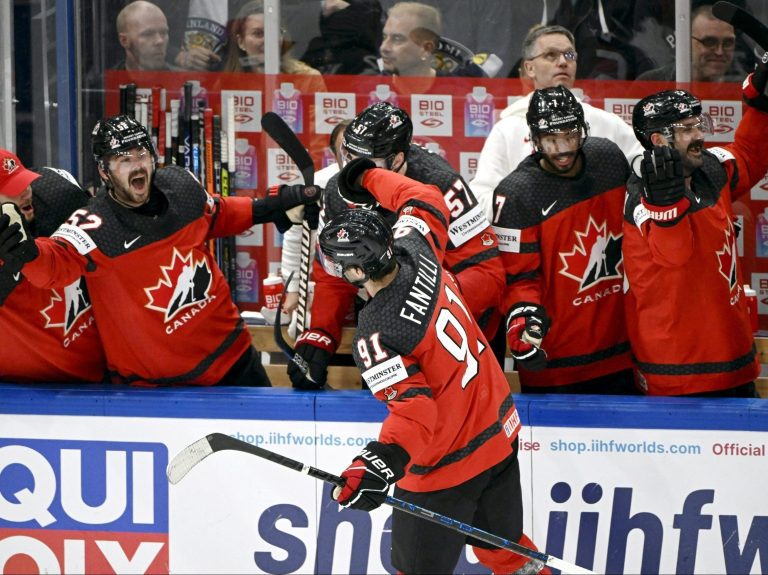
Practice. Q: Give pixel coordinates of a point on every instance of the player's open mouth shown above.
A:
(27, 209)
(696, 148)
(139, 182)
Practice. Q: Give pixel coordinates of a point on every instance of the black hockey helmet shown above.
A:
(656, 112)
(360, 238)
(380, 131)
(118, 134)
(555, 109)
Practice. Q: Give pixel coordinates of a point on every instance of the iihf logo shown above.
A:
(64, 310)
(595, 257)
(184, 284)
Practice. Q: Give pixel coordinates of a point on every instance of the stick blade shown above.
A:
(187, 458)
(724, 10)
(282, 134)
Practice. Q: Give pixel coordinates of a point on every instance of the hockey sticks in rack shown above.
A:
(183, 462)
(281, 133)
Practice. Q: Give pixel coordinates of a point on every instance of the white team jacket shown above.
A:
(291, 252)
(509, 143)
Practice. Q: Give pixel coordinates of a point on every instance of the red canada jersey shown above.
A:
(560, 239)
(49, 335)
(420, 350)
(162, 305)
(686, 310)
(471, 251)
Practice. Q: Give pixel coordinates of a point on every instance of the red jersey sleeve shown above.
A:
(58, 265)
(332, 300)
(412, 199)
(229, 216)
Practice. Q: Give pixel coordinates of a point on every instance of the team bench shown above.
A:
(348, 376)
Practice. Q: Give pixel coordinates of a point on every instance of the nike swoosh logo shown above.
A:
(698, 199)
(127, 245)
(16, 276)
(545, 212)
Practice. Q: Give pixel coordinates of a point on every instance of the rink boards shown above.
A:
(617, 485)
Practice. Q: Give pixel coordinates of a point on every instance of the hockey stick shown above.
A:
(277, 332)
(281, 133)
(190, 456)
(744, 22)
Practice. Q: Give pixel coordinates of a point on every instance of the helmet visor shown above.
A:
(702, 123)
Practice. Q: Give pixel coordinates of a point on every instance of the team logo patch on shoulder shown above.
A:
(385, 374)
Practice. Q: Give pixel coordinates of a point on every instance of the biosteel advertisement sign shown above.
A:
(89, 495)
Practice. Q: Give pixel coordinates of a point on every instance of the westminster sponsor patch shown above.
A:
(385, 374)
(406, 221)
(467, 226)
(509, 239)
(75, 235)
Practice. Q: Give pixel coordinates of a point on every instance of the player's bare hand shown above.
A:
(290, 301)
(197, 58)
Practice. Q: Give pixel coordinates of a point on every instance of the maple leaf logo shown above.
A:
(595, 257)
(184, 283)
(68, 306)
(727, 257)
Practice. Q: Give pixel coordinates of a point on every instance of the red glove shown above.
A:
(527, 325)
(370, 475)
(313, 350)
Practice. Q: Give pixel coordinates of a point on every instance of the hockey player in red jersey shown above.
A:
(558, 218)
(46, 335)
(382, 133)
(449, 442)
(680, 255)
(162, 305)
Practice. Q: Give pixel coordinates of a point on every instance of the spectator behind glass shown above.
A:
(411, 34)
(205, 35)
(142, 31)
(549, 59)
(350, 35)
(245, 52)
(604, 37)
(712, 47)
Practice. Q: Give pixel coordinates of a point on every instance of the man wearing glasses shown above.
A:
(712, 47)
(549, 59)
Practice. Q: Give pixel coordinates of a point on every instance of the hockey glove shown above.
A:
(17, 246)
(369, 476)
(309, 368)
(350, 186)
(754, 86)
(663, 190)
(527, 325)
(284, 205)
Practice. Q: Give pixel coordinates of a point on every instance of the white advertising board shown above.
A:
(88, 494)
